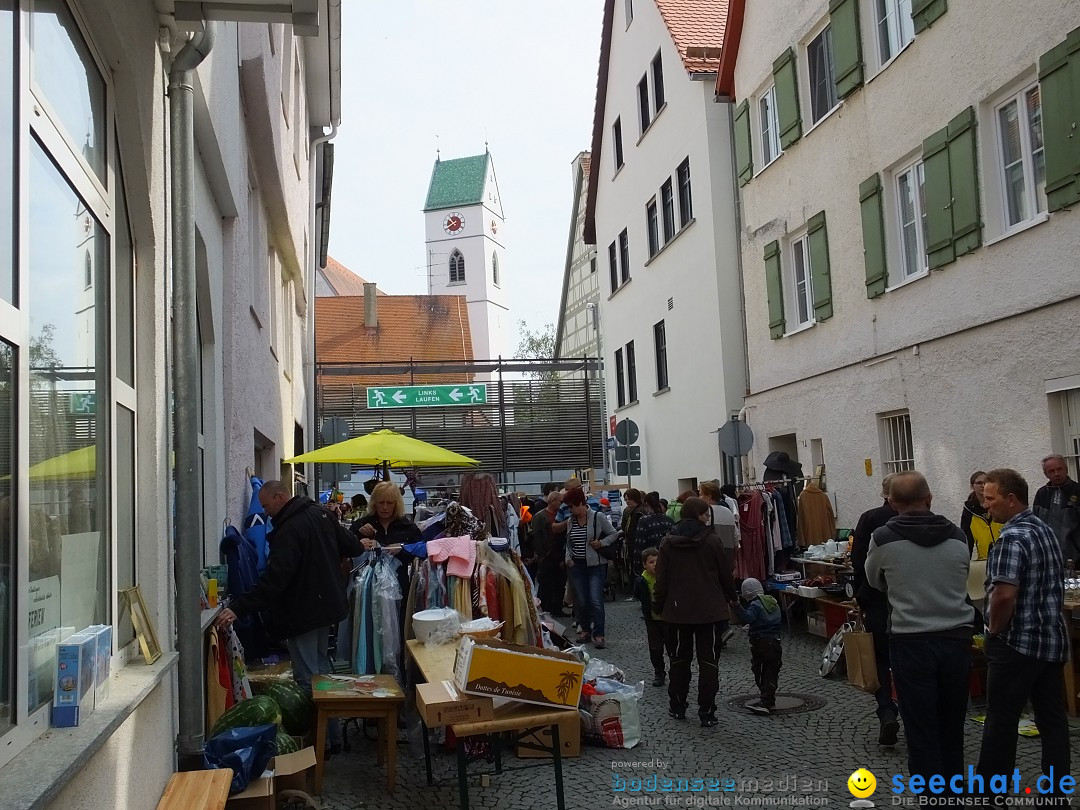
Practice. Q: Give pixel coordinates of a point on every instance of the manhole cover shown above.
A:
(786, 703)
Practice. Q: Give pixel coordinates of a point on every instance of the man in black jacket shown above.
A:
(302, 588)
(1057, 504)
(875, 608)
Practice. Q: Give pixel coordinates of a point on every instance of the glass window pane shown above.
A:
(68, 77)
(1012, 162)
(885, 44)
(7, 150)
(68, 447)
(8, 461)
(908, 233)
(1034, 111)
(125, 515)
(125, 291)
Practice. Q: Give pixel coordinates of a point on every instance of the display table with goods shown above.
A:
(458, 686)
(377, 697)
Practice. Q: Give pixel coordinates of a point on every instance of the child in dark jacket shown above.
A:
(654, 627)
(762, 616)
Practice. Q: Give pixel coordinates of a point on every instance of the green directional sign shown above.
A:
(427, 396)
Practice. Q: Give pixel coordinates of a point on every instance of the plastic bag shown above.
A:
(245, 749)
(607, 686)
(388, 595)
(613, 720)
(599, 668)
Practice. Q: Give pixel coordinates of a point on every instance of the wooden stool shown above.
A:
(197, 790)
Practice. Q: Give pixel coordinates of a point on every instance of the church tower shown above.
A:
(465, 247)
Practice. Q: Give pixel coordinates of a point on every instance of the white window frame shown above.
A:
(1034, 197)
(461, 267)
(768, 127)
(899, 273)
(900, 29)
(897, 441)
(287, 336)
(798, 245)
(808, 93)
(1069, 402)
(628, 11)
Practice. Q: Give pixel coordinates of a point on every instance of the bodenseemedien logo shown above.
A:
(862, 784)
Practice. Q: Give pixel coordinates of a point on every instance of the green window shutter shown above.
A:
(939, 218)
(1059, 83)
(926, 12)
(787, 98)
(774, 287)
(820, 278)
(744, 158)
(873, 234)
(964, 177)
(847, 47)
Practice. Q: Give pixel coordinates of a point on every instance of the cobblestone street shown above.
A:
(815, 750)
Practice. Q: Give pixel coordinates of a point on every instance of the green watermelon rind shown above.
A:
(255, 711)
(284, 743)
(297, 707)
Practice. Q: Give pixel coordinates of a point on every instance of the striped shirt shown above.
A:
(1028, 555)
(578, 537)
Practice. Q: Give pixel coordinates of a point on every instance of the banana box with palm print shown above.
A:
(516, 672)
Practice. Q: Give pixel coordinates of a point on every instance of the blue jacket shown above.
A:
(763, 616)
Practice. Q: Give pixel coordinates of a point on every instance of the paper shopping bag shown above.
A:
(861, 664)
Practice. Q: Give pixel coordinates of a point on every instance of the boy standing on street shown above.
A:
(762, 617)
(654, 626)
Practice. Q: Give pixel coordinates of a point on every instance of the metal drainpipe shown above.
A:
(187, 533)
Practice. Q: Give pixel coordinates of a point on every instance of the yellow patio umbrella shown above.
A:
(388, 448)
(81, 463)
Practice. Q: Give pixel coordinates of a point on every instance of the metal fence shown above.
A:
(540, 415)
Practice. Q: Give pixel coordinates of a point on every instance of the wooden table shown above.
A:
(344, 700)
(519, 719)
(197, 790)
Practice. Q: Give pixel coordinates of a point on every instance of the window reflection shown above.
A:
(67, 75)
(68, 412)
(7, 153)
(7, 534)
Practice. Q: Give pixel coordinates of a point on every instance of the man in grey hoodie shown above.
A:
(920, 560)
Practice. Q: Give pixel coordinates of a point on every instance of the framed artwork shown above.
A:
(144, 628)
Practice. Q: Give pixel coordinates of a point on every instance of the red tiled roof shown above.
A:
(420, 327)
(697, 27)
(343, 280)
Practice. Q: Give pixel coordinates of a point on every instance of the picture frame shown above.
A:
(144, 628)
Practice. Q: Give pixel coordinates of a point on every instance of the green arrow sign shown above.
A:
(427, 396)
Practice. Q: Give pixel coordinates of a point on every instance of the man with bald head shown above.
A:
(920, 561)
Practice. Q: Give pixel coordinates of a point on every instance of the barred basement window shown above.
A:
(897, 448)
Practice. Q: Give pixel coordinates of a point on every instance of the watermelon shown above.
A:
(284, 744)
(297, 707)
(256, 711)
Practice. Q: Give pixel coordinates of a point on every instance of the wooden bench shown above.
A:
(197, 790)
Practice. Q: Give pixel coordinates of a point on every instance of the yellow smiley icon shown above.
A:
(861, 783)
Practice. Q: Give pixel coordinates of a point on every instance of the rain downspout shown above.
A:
(187, 531)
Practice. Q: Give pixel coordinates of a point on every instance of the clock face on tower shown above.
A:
(454, 224)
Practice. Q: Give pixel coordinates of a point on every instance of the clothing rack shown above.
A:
(775, 482)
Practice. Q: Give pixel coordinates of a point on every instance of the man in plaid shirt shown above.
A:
(1026, 640)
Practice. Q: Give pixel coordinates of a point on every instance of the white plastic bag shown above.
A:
(613, 720)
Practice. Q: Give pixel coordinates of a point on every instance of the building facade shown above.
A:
(661, 213)
(466, 246)
(88, 286)
(908, 248)
(577, 332)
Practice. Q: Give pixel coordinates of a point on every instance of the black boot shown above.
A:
(889, 728)
(658, 678)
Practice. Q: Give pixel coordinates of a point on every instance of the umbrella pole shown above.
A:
(386, 471)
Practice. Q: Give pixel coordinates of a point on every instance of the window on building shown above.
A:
(592, 265)
(620, 379)
(667, 201)
(1070, 422)
(287, 309)
(257, 254)
(799, 284)
(686, 199)
(272, 285)
(897, 449)
(644, 113)
(1021, 161)
(628, 6)
(624, 257)
(613, 266)
(653, 227)
(660, 349)
(770, 131)
(616, 132)
(658, 83)
(895, 28)
(457, 267)
(822, 75)
(911, 218)
(495, 268)
(631, 372)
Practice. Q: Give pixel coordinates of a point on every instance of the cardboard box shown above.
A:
(287, 772)
(810, 592)
(514, 671)
(569, 739)
(102, 661)
(441, 704)
(815, 623)
(73, 698)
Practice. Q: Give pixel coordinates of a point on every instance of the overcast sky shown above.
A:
(419, 73)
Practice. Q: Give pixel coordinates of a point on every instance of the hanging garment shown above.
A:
(241, 686)
(479, 493)
(817, 523)
(458, 552)
(787, 539)
(753, 533)
(219, 696)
